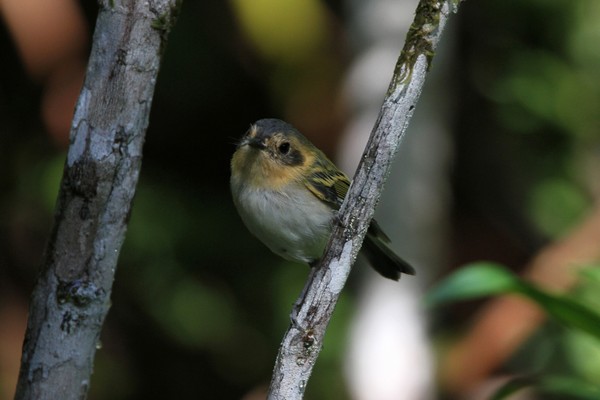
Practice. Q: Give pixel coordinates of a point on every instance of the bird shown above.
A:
(288, 193)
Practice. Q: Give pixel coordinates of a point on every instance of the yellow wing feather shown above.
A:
(328, 183)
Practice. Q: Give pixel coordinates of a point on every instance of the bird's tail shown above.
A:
(381, 257)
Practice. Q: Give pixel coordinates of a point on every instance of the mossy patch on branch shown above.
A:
(418, 40)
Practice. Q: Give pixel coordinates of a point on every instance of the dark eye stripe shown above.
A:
(293, 158)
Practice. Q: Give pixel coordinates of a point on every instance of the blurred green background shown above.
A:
(199, 305)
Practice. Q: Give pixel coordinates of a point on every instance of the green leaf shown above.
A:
(591, 273)
(473, 281)
(569, 388)
(565, 310)
(485, 278)
(582, 352)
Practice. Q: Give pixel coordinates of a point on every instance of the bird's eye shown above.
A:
(284, 148)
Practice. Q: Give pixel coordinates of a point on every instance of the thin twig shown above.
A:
(303, 340)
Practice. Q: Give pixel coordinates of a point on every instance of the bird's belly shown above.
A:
(295, 225)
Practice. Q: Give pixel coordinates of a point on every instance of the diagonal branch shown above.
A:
(303, 340)
(72, 295)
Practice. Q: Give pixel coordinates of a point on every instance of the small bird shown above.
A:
(288, 193)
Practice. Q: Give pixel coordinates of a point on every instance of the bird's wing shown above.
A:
(328, 184)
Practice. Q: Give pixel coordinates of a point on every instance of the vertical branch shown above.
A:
(72, 295)
(303, 340)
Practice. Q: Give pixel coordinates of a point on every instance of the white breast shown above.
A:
(293, 223)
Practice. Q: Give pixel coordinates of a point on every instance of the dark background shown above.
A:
(199, 306)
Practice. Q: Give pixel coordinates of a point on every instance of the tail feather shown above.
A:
(382, 258)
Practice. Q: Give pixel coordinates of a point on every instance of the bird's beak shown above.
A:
(257, 143)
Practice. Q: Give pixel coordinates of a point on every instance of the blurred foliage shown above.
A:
(199, 305)
(273, 26)
(551, 387)
(553, 194)
(484, 279)
(578, 312)
(540, 71)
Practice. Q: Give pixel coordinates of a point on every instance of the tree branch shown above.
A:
(303, 340)
(72, 294)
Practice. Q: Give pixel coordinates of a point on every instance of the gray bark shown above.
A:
(303, 340)
(72, 295)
